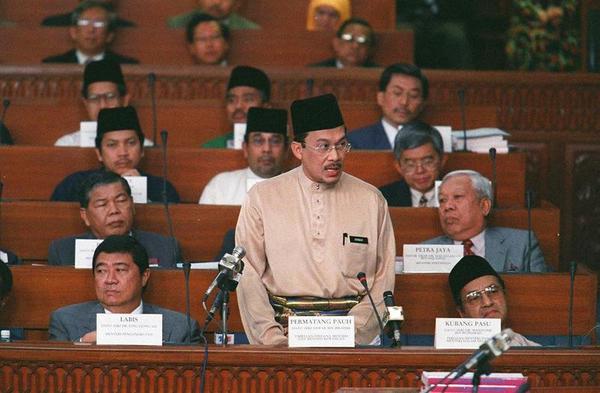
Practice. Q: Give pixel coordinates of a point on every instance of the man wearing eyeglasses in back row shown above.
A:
(310, 231)
(353, 45)
(92, 30)
(265, 148)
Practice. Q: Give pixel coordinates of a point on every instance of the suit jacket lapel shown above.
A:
(381, 139)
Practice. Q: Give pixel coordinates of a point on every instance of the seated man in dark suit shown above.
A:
(121, 272)
(353, 45)
(107, 208)
(479, 292)
(419, 151)
(465, 199)
(403, 90)
(92, 30)
(8, 257)
(61, 20)
(119, 148)
(6, 284)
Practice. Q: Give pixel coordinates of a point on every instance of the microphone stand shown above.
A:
(224, 316)
(483, 368)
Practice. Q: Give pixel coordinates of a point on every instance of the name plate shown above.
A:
(464, 333)
(139, 188)
(129, 329)
(321, 331)
(239, 130)
(446, 134)
(87, 134)
(84, 252)
(431, 258)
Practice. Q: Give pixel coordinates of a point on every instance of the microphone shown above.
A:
(461, 101)
(230, 269)
(362, 277)
(5, 138)
(573, 270)
(490, 349)
(529, 202)
(152, 87)
(163, 136)
(393, 317)
(310, 83)
(492, 153)
(214, 308)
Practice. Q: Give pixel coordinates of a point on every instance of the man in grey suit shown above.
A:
(121, 271)
(465, 199)
(107, 208)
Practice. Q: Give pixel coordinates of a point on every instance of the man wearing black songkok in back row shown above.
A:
(310, 231)
(119, 149)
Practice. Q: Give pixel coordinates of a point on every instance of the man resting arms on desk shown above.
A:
(120, 269)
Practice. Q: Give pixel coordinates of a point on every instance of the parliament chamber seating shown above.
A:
(189, 169)
(193, 122)
(163, 46)
(274, 16)
(27, 228)
(538, 303)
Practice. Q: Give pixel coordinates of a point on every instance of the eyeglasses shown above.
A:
(273, 142)
(428, 164)
(475, 297)
(324, 148)
(98, 24)
(359, 39)
(96, 98)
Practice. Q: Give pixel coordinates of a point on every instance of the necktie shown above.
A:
(423, 201)
(468, 245)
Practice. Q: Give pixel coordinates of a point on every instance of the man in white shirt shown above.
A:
(403, 91)
(103, 87)
(265, 148)
(419, 152)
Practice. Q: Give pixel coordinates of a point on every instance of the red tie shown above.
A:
(468, 245)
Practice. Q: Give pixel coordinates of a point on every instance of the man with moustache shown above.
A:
(106, 208)
(403, 91)
(119, 149)
(265, 149)
(479, 292)
(465, 200)
(248, 87)
(92, 30)
(310, 231)
(419, 152)
(223, 10)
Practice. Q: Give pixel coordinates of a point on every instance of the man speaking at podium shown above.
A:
(310, 231)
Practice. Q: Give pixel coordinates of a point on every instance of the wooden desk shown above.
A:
(159, 45)
(49, 367)
(27, 228)
(538, 303)
(191, 168)
(192, 122)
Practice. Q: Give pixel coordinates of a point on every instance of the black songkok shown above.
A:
(267, 120)
(316, 113)
(252, 77)
(102, 71)
(466, 270)
(118, 119)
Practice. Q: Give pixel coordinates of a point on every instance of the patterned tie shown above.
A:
(468, 245)
(423, 201)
